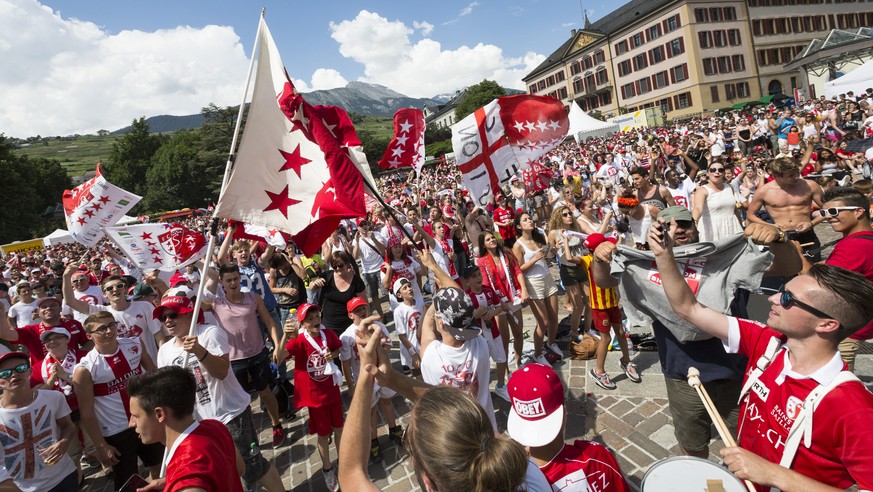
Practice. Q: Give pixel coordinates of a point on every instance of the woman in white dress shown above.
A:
(715, 206)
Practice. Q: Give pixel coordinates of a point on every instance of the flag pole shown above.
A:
(213, 226)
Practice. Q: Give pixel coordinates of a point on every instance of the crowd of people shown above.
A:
(104, 365)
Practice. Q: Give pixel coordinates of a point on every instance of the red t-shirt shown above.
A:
(842, 442)
(29, 337)
(585, 465)
(312, 387)
(205, 459)
(856, 254)
(502, 215)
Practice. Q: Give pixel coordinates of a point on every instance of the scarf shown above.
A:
(330, 369)
(68, 364)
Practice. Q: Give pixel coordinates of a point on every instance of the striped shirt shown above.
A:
(600, 298)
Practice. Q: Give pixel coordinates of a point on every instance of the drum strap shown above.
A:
(763, 363)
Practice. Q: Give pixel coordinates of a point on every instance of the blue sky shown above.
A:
(79, 66)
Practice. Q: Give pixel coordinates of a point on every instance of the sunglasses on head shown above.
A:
(832, 211)
(168, 315)
(20, 369)
(787, 299)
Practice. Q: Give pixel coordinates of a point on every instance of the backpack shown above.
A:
(283, 390)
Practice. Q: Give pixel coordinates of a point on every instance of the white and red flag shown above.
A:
(272, 237)
(299, 168)
(166, 247)
(504, 137)
(407, 147)
(93, 205)
(537, 178)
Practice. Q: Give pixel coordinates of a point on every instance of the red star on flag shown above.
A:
(104, 199)
(96, 207)
(81, 220)
(89, 213)
(146, 235)
(156, 259)
(280, 201)
(294, 160)
(154, 251)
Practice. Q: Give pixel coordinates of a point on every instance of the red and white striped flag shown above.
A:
(93, 205)
(407, 147)
(166, 247)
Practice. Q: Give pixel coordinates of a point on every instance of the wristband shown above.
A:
(781, 238)
(205, 355)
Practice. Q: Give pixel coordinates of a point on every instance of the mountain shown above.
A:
(444, 97)
(356, 97)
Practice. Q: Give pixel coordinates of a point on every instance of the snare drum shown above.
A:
(687, 474)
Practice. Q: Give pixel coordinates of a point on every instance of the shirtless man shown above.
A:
(476, 222)
(788, 199)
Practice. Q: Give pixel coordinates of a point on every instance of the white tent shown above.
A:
(583, 126)
(60, 236)
(857, 81)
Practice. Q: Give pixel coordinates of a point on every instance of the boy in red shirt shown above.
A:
(317, 381)
(536, 420)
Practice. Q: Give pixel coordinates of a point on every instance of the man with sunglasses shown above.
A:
(846, 210)
(790, 358)
(134, 317)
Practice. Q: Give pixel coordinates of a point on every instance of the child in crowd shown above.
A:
(359, 309)
(317, 381)
(407, 319)
(536, 421)
(487, 307)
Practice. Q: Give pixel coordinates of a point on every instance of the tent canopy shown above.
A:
(583, 126)
(857, 81)
(60, 236)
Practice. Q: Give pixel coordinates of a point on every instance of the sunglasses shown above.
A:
(787, 299)
(716, 170)
(20, 369)
(110, 288)
(168, 315)
(566, 214)
(105, 328)
(832, 211)
(340, 266)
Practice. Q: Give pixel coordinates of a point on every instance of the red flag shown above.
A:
(407, 147)
(299, 168)
(504, 137)
(537, 178)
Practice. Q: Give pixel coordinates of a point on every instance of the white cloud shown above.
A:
(425, 27)
(424, 68)
(327, 78)
(468, 9)
(62, 76)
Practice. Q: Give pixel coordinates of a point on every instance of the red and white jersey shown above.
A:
(584, 466)
(110, 374)
(488, 297)
(135, 321)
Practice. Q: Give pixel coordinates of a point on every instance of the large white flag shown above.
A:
(166, 247)
(299, 168)
(93, 205)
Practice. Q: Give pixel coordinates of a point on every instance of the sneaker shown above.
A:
(87, 462)
(278, 436)
(502, 392)
(375, 452)
(330, 479)
(602, 380)
(396, 435)
(555, 349)
(630, 369)
(542, 360)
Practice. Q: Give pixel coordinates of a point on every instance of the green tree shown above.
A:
(433, 134)
(216, 137)
(131, 156)
(477, 96)
(177, 177)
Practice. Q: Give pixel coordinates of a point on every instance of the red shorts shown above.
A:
(323, 420)
(603, 319)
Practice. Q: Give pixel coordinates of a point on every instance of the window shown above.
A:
(659, 80)
(713, 91)
(705, 39)
(729, 13)
(729, 92)
(562, 93)
(715, 14)
(560, 76)
(672, 23)
(676, 47)
(589, 81)
(645, 85)
(640, 61)
(532, 89)
(654, 32)
(657, 55)
(733, 37)
(620, 47)
(724, 64)
(605, 98)
(743, 90)
(637, 40)
(679, 73)
(578, 86)
(599, 57)
(719, 39)
(586, 63)
(700, 15)
(709, 66)
(738, 62)
(624, 68)
(628, 91)
(541, 85)
(602, 76)
(683, 100)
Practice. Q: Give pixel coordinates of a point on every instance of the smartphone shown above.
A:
(133, 483)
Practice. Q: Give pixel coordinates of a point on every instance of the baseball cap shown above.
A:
(594, 240)
(362, 220)
(142, 290)
(6, 354)
(455, 308)
(177, 279)
(43, 300)
(355, 303)
(181, 290)
(400, 282)
(303, 310)
(676, 212)
(537, 398)
(177, 304)
(60, 330)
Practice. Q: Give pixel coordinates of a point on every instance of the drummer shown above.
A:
(837, 451)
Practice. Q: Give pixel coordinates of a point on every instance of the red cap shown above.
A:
(355, 303)
(177, 304)
(177, 279)
(537, 398)
(594, 240)
(303, 310)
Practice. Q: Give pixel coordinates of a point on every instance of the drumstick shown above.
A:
(721, 427)
(805, 245)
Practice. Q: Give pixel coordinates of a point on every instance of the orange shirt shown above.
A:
(600, 298)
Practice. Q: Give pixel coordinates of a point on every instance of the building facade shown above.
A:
(686, 56)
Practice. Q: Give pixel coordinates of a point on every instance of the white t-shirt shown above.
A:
(219, 399)
(371, 260)
(93, 296)
(26, 430)
(22, 313)
(682, 194)
(406, 321)
(467, 368)
(399, 268)
(349, 351)
(135, 321)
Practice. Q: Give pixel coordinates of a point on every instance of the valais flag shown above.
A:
(298, 168)
(504, 137)
(93, 205)
(166, 247)
(407, 147)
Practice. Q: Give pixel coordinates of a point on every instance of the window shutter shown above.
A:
(689, 99)
(678, 23)
(685, 70)
(682, 45)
